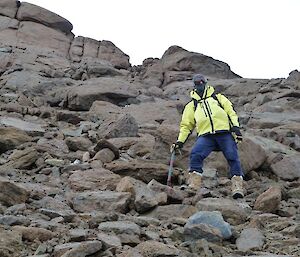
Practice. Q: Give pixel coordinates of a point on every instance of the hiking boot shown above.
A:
(194, 180)
(237, 187)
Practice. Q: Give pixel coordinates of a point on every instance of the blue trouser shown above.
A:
(208, 143)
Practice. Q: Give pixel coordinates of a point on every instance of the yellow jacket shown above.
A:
(209, 117)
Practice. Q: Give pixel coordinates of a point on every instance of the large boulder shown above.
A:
(31, 12)
(178, 59)
(114, 90)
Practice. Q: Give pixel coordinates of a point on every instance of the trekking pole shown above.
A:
(170, 172)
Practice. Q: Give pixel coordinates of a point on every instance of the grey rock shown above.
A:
(38, 14)
(250, 239)
(212, 218)
(11, 193)
(233, 212)
(101, 200)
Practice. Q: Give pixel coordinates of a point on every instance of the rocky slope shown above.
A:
(84, 151)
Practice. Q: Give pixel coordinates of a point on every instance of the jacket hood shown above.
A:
(207, 93)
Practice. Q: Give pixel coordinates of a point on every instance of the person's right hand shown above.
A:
(176, 146)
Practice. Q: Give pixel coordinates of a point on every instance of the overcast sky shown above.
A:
(257, 38)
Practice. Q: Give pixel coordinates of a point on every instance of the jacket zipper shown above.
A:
(209, 115)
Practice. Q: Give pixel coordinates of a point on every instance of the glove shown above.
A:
(237, 133)
(176, 146)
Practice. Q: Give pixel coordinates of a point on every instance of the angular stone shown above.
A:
(81, 249)
(269, 200)
(173, 210)
(101, 200)
(11, 220)
(11, 193)
(100, 179)
(232, 211)
(78, 143)
(33, 233)
(195, 232)
(288, 167)
(77, 235)
(21, 124)
(250, 239)
(109, 241)
(127, 231)
(11, 138)
(214, 219)
(144, 198)
(22, 159)
(172, 194)
(124, 126)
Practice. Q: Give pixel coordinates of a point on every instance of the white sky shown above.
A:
(256, 38)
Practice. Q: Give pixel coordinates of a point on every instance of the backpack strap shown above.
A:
(195, 104)
(214, 96)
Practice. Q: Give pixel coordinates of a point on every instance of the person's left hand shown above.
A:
(237, 133)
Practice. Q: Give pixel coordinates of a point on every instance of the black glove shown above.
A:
(176, 146)
(237, 133)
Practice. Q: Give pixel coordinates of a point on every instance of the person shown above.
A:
(217, 128)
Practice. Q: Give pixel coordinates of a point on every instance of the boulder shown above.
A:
(288, 167)
(11, 193)
(31, 12)
(127, 231)
(250, 238)
(233, 212)
(172, 210)
(269, 200)
(11, 138)
(100, 179)
(123, 126)
(176, 58)
(113, 90)
(101, 200)
(86, 248)
(212, 218)
(144, 198)
(32, 233)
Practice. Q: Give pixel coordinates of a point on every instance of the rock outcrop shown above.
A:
(84, 151)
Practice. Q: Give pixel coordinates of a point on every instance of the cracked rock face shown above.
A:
(84, 151)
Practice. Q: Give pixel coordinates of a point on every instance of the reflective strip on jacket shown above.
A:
(209, 117)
